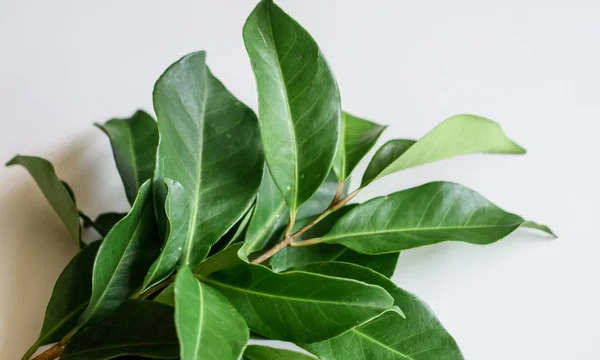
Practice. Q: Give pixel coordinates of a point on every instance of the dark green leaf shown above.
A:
(271, 213)
(299, 256)
(137, 327)
(134, 141)
(123, 259)
(356, 139)
(418, 336)
(210, 144)
(458, 135)
(299, 102)
(425, 215)
(53, 189)
(105, 222)
(298, 306)
(257, 352)
(208, 326)
(69, 298)
(171, 252)
(234, 235)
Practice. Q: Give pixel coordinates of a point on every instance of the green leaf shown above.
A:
(258, 352)
(299, 102)
(137, 327)
(357, 137)
(103, 223)
(221, 260)
(299, 256)
(418, 335)
(123, 259)
(425, 215)
(208, 326)
(234, 235)
(271, 213)
(540, 227)
(210, 144)
(298, 306)
(134, 141)
(166, 263)
(69, 298)
(458, 135)
(53, 189)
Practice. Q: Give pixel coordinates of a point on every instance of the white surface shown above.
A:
(531, 65)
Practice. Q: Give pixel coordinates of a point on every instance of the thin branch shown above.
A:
(53, 353)
(313, 241)
(288, 239)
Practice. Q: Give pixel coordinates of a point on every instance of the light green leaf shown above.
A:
(271, 213)
(299, 102)
(418, 335)
(123, 259)
(425, 215)
(210, 144)
(298, 306)
(458, 135)
(53, 189)
(258, 352)
(219, 261)
(356, 139)
(134, 142)
(298, 256)
(137, 327)
(69, 298)
(540, 227)
(208, 326)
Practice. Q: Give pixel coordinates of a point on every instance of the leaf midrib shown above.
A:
(394, 231)
(287, 298)
(289, 110)
(362, 334)
(118, 346)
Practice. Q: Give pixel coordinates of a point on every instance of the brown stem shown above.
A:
(53, 353)
(287, 240)
(313, 241)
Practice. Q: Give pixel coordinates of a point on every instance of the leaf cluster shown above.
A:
(241, 225)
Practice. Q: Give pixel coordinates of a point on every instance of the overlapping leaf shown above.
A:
(69, 298)
(57, 194)
(210, 144)
(208, 326)
(458, 135)
(271, 212)
(299, 102)
(136, 328)
(298, 256)
(415, 335)
(134, 142)
(356, 139)
(123, 259)
(428, 214)
(258, 352)
(298, 306)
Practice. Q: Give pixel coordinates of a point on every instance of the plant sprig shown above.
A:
(243, 223)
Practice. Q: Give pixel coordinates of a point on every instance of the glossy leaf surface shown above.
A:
(69, 298)
(53, 189)
(271, 213)
(458, 135)
(133, 142)
(208, 326)
(356, 139)
(167, 261)
(418, 335)
(258, 352)
(298, 256)
(123, 259)
(219, 261)
(137, 328)
(299, 102)
(281, 306)
(425, 215)
(210, 144)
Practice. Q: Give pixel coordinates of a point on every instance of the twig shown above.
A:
(53, 353)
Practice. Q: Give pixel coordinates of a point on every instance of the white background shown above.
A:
(531, 65)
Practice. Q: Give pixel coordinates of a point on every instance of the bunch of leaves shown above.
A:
(240, 225)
